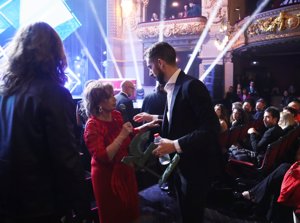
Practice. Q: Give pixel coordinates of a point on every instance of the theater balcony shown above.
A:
(272, 32)
(180, 32)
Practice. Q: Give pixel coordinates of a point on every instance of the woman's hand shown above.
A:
(127, 128)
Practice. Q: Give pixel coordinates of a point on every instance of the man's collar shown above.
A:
(174, 77)
(122, 92)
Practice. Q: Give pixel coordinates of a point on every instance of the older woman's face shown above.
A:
(218, 110)
(109, 104)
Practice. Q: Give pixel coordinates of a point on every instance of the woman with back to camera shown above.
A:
(107, 138)
(40, 170)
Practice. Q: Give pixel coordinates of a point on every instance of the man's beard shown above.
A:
(160, 77)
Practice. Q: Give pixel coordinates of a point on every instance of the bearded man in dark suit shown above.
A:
(190, 128)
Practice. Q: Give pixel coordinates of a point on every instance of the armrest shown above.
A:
(240, 163)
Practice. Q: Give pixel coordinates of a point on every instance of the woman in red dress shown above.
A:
(107, 139)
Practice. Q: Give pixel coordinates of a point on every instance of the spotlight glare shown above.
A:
(235, 38)
(93, 8)
(175, 4)
(163, 5)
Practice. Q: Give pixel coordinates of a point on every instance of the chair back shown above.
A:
(270, 158)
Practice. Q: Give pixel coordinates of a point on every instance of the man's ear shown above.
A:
(160, 63)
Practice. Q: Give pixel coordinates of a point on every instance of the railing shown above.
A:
(172, 28)
(276, 24)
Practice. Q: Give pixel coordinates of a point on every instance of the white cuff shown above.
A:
(154, 117)
(177, 146)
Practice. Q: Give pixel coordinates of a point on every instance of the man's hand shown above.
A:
(252, 130)
(141, 117)
(165, 146)
(149, 125)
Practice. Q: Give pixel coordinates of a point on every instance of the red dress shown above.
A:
(114, 183)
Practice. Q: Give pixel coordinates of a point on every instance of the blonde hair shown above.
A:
(94, 94)
(286, 119)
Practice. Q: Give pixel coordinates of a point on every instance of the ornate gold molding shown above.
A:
(172, 28)
(277, 24)
(283, 22)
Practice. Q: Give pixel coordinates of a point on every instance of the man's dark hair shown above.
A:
(274, 112)
(261, 100)
(161, 50)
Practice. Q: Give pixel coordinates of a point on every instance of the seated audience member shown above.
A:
(252, 90)
(259, 109)
(185, 11)
(239, 94)
(245, 95)
(248, 109)
(285, 100)
(194, 9)
(290, 110)
(124, 102)
(237, 104)
(295, 104)
(265, 195)
(286, 122)
(237, 118)
(230, 97)
(222, 115)
(154, 17)
(292, 92)
(259, 142)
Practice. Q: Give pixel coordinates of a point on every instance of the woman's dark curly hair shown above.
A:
(36, 51)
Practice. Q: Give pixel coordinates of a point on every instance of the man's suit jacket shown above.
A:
(259, 145)
(194, 123)
(127, 111)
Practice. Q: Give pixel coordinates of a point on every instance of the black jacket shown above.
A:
(127, 110)
(40, 169)
(195, 124)
(259, 144)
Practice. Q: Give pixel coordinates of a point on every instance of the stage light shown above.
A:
(175, 4)
(127, 6)
(113, 59)
(234, 38)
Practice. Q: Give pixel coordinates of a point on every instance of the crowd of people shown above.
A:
(192, 9)
(39, 146)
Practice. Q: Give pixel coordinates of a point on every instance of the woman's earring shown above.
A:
(100, 109)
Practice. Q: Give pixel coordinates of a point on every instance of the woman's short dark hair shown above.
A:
(36, 51)
(94, 94)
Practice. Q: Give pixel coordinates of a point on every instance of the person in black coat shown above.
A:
(41, 174)
(155, 103)
(259, 142)
(190, 128)
(124, 102)
(194, 10)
